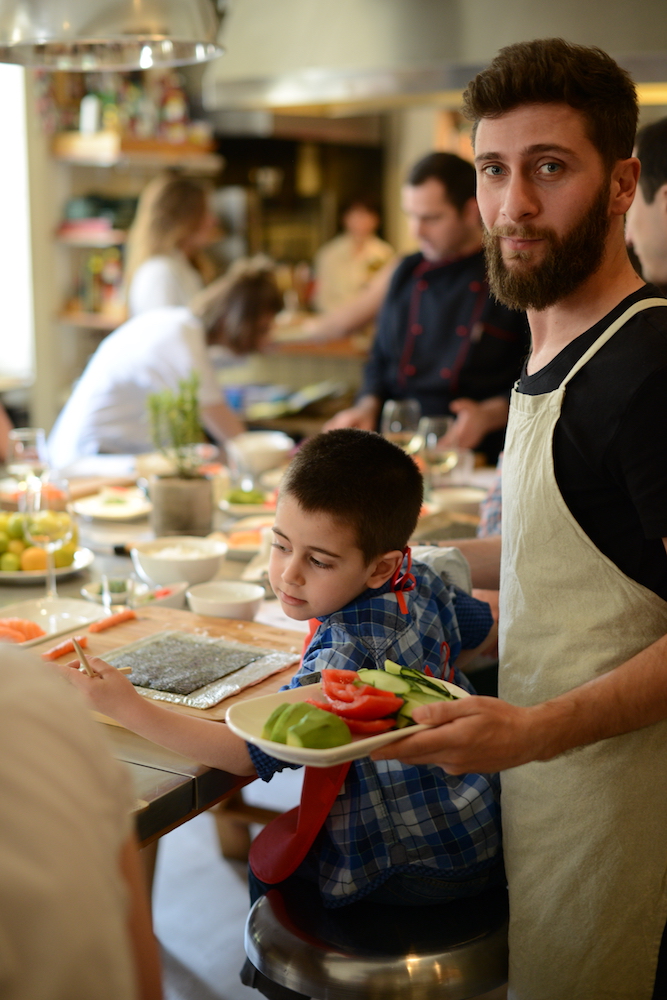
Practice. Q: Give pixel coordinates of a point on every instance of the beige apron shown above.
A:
(586, 833)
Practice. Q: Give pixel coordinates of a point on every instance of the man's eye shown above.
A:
(493, 170)
(277, 545)
(550, 168)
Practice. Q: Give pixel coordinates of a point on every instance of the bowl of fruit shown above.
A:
(21, 562)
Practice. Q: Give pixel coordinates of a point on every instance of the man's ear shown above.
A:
(624, 180)
(383, 568)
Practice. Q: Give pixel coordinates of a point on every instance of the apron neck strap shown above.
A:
(402, 581)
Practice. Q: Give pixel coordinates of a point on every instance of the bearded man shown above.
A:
(579, 731)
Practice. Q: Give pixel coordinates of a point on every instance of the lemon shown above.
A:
(9, 562)
(4, 541)
(4, 519)
(15, 546)
(65, 555)
(33, 558)
(15, 526)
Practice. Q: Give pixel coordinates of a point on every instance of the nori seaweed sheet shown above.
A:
(178, 666)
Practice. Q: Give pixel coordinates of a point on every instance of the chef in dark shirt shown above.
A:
(441, 338)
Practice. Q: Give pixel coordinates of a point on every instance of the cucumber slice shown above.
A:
(392, 668)
(384, 681)
(435, 694)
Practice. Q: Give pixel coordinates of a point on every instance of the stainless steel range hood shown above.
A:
(355, 56)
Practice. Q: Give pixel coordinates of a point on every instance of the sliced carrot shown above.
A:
(103, 623)
(64, 647)
(10, 634)
(30, 630)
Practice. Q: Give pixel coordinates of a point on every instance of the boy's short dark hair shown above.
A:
(652, 152)
(362, 481)
(457, 176)
(552, 70)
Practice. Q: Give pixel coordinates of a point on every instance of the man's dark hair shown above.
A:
(652, 152)
(457, 176)
(552, 70)
(362, 481)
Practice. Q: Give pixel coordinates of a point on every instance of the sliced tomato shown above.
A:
(319, 704)
(340, 684)
(369, 727)
(367, 706)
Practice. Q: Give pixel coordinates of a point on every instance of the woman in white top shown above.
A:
(164, 264)
(107, 411)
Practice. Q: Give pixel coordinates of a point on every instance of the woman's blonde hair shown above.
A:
(231, 309)
(170, 208)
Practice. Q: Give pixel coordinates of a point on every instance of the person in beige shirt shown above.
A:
(345, 265)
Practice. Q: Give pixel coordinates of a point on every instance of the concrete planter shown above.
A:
(181, 506)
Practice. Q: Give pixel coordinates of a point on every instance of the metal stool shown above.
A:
(367, 951)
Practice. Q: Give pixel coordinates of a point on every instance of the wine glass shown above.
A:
(26, 453)
(439, 458)
(399, 423)
(47, 521)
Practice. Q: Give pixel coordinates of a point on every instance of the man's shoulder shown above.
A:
(405, 269)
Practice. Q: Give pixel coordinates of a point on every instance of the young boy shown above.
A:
(348, 504)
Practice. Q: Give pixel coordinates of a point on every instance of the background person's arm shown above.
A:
(364, 414)
(474, 420)
(355, 314)
(221, 422)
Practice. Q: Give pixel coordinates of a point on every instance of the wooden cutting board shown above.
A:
(151, 620)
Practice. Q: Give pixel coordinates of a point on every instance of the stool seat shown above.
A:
(367, 951)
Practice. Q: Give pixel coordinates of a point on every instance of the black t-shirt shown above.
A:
(610, 443)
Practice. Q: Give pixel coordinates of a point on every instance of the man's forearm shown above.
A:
(483, 555)
(488, 734)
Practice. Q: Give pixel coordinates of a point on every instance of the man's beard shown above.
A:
(568, 262)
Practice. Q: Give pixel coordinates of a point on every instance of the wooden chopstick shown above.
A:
(82, 658)
(86, 665)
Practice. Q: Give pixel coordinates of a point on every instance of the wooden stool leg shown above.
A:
(233, 817)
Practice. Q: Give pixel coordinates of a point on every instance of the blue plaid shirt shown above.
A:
(389, 817)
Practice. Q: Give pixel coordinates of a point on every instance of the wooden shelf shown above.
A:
(113, 238)
(108, 149)
(93, 321)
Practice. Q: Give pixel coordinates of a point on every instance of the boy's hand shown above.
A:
(109, 691)
(469, 735)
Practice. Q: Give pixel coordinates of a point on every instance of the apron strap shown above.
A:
(637, 307)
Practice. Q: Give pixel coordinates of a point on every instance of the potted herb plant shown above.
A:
(183, 500)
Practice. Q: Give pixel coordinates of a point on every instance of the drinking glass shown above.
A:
(439, 458)
(47, 521)
(26, 453)
(399, 423)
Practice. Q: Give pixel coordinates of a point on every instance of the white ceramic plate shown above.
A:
(114, 504)
(83, 558)
(247, 719)
(61, 614)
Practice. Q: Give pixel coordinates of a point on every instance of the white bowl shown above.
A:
(226, 599)
(188, 558)
(258, 451)
(143, 594)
